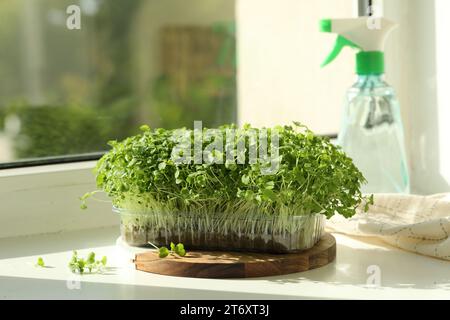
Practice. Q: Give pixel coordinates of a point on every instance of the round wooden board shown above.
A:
(216, 264)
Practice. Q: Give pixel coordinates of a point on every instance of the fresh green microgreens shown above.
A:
(40, 262)
(313, 176)
(174, 250)
(79, 265)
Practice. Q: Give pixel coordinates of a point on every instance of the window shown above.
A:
(70, 82)
(76, 74)
(417, 60)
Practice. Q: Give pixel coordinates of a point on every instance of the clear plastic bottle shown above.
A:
(372, 135)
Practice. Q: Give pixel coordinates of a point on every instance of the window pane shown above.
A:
(65, 90)
(67, 86)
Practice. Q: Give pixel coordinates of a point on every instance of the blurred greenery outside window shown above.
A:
(64, 92)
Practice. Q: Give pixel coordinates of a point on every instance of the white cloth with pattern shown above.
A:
(420, 224)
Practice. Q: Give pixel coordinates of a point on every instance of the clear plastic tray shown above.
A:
(217, 232)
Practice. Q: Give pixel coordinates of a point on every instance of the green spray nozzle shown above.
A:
(367, 34)
(340, 43)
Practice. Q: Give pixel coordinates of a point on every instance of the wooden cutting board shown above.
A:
(216, 264)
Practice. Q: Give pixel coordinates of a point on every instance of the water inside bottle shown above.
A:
(372, 135)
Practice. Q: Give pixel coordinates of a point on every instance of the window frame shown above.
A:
(51, 160)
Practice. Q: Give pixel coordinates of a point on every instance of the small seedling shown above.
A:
(40, 262)
(174, 250)
(79, 265)
(85, 197)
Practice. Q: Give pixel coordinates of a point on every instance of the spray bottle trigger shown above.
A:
(340, 43)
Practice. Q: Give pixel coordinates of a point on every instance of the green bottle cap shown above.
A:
(370, 63)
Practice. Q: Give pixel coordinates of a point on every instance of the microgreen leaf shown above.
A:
(179, 250)
(368, 203)
(79, 265)
(162, 166)
(40, 262)
(163, 252)
(269, 194)
(90, 258)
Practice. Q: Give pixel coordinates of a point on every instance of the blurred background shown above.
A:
(165, 63)
(62, 91)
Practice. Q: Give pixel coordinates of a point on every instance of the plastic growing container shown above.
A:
(279, 234)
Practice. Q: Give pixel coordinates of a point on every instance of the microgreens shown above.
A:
(79, 265)
(314, 176)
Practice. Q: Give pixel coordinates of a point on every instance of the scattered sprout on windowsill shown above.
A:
(81, 265)
(40, 262)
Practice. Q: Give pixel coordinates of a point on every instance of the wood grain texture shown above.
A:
(209, 264)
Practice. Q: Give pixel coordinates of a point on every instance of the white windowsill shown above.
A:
(403, 275)
(40, 216)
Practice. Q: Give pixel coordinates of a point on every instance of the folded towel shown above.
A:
(420, 224)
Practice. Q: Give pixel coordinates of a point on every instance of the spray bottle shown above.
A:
(371, 130)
